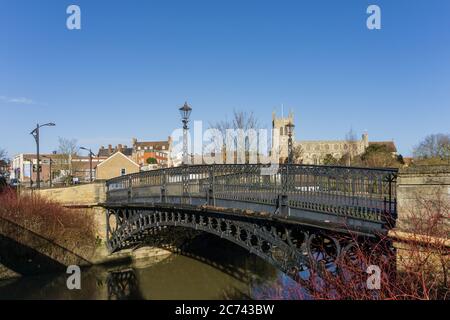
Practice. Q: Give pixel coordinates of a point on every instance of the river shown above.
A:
(211, 268)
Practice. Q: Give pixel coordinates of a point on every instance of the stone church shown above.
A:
(314, 152)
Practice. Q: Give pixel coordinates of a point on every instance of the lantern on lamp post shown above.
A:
(185, 112)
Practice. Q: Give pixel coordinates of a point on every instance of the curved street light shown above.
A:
(35, 134)
(90, 161)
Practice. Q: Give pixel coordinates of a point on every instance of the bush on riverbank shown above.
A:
(72, 229)
(412, 266)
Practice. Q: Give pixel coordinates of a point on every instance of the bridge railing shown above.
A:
(366, 193)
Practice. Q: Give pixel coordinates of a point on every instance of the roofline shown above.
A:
(157, 141)
(116, 153)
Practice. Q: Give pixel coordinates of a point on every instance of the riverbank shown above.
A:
(39, 236)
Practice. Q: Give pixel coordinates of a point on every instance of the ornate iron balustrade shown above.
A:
(367, 194)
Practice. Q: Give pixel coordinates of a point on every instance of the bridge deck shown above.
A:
(357, 198)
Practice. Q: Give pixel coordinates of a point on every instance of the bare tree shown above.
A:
(67, 149)
(241, 120)
(434, 147)
(67, 146)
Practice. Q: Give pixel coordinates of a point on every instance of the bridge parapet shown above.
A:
(77, 195)
(329, 193)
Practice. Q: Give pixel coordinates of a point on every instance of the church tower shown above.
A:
(279, 126)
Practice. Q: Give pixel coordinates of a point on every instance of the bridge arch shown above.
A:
(289, 248)
(292, 216)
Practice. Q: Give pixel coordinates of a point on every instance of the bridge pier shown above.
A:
(423, 225)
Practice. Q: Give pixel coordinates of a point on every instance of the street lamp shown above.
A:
(35, 134)
(185, 112)
(290, 130)
(90, 161)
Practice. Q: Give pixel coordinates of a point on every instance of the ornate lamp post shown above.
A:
(35, 134)
(185, 112)
(287, 182)
(290, 130)
(90, 161)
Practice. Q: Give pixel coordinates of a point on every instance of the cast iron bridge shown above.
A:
(292, 216)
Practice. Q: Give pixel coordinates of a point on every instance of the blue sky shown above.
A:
(133, 63)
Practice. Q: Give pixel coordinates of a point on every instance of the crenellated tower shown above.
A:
(279, 125)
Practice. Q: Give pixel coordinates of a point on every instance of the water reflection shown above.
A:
(123, 285)
(208, 268)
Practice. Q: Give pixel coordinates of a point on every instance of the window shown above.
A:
(122, 171)
(315, 160)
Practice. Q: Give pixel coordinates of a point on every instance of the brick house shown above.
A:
(158, 150)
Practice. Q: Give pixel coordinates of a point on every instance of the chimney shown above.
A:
(119, 147)
(109, 148)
